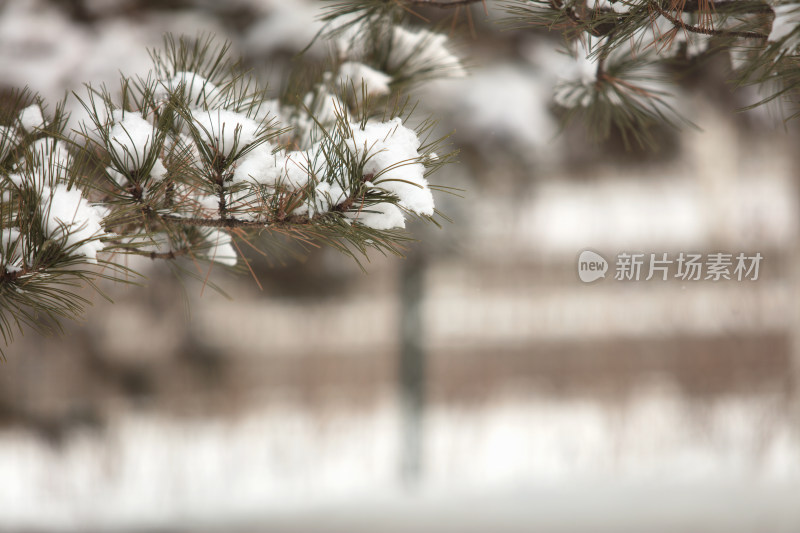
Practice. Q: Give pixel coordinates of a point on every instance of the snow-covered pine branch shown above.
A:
(195, 157)
(631, 54)
(50, 233)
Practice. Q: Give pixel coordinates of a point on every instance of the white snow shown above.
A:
(288, 169)
(118, 177)
(40, 47)
(269, 111)
(299, 166)
(394, 159)
(412, 50)
(227, 131)
(207, 204)
(50, 159)
(574, 85)
(328, 107)
(380, 216)
(67, 215)
(157, 173)
(221, 249)
(328, 195)
(618, 6)
(259, 165)
(50, 149)
(392, 165)
(68, 211)
(325, 109)
(47, 50)
(197, 90)
(8, 139)
(31, 118)
(355, 73)
(393, 162)
(9, 238)
(325, 196)
(520, 119)
(423, 50)
(130, 139)
(284, 26)
(655, 461)
(787, 19)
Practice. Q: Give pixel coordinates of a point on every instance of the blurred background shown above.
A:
(477, 385)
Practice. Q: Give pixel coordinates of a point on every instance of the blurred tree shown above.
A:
(628, 56)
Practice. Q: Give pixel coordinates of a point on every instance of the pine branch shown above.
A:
(678, 23)
(441, 4)
(183, 161)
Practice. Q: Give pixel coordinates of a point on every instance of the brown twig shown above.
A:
(442, 4)
(227, 222)
(602, 30)
(679, 23)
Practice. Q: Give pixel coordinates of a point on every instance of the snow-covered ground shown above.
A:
(655, 461)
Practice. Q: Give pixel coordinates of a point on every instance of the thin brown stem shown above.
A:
(600, 30)
(448, 4)
(558, 5)
(227, 222)
(170, 254)
(679, 23)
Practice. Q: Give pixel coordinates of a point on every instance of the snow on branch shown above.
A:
(193, 157)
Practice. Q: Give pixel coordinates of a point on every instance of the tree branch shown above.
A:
(228, 222)
(742, 6)
(558, 5)
(441, 5)
(605, 29)
(679, 23)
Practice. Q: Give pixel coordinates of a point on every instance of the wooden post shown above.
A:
(411, 371)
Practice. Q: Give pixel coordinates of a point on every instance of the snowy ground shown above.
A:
(657, 461)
